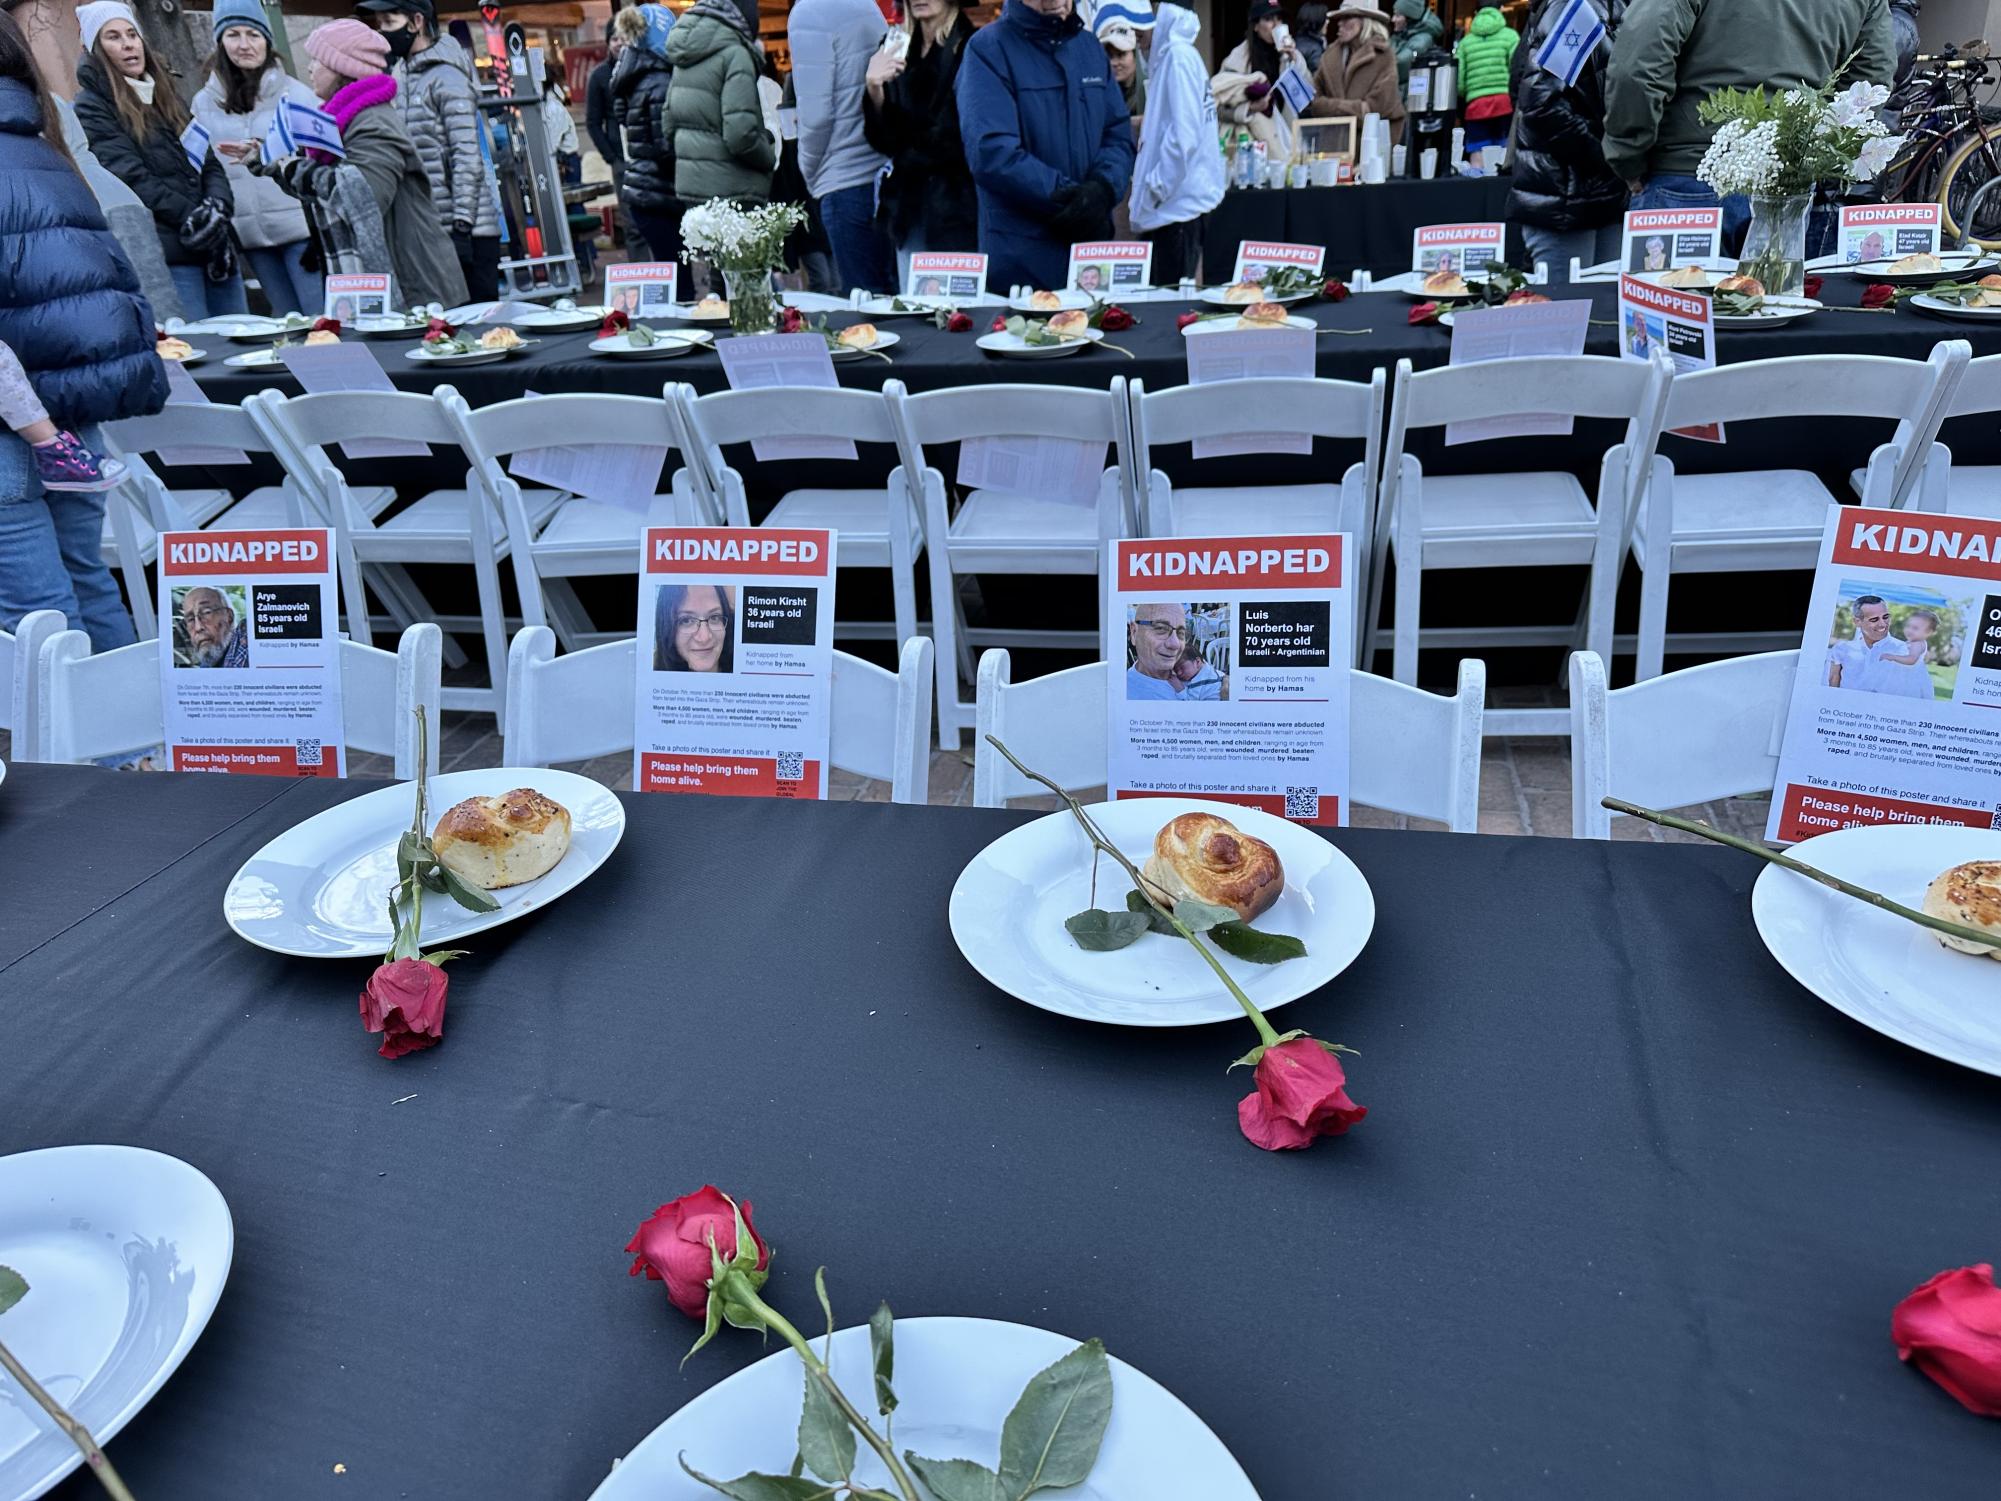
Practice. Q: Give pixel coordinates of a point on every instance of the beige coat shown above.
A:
(1362, 82)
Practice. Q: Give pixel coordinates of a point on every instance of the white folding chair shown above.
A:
(142, 506)
(453, 526)
(1511, 520)
(1689, 737)
(1409, 752)
(20, 650)
(1336, 409)
(109, 704)
(1000, 531)
(876, 528)
(579, 536)
(1928, 479)
(1762, 520)
(819, 302)
(580, 705)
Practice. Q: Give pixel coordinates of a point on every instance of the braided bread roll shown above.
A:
(1206, 858)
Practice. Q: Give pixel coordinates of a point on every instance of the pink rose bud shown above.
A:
(672, 1246)
(1951, 1330)
(1302, 1093)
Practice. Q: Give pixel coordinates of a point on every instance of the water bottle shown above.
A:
(1246, 160)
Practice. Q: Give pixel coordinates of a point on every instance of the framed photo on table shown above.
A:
(1338, 137)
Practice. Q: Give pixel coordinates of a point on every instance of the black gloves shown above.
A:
(205, 227)
(222, 260)
(1082, 211)
(299, 177)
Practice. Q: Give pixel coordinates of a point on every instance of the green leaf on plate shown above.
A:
(759, 1487)
(1200, 917)
(1135, 902)
(826, 1442)
(882, 1342)
(1051, 1438)
(407, 851)
(1246, 942)
(1099, 932)
(955, 1479)
(826, 1307)
(467, 896)
(13, 1288)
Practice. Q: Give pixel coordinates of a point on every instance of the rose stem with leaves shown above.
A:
(94, 1459)
(1846, 888)
(1266, 1032)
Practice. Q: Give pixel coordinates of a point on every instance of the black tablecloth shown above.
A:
(1365, 227)
(1627, 1218)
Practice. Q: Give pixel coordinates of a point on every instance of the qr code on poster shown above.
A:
(1302, 802)
(791, 766)
(1995, 821)
(308, 752)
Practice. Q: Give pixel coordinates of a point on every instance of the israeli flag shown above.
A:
(194, 141)
(1571, 41)
(295, 126)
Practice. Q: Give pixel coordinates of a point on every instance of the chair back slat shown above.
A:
(1579, 385)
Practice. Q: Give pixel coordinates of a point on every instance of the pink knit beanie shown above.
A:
(349, 48)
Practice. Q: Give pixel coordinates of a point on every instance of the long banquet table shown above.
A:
(1366, 227)
(1627, 1218)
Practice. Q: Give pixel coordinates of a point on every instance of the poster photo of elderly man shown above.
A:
(1178, 653)
(211, 626)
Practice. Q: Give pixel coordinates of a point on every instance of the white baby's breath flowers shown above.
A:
(736, 237)
(1743, 158)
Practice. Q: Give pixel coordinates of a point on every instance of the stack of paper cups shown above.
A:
(1458, 146)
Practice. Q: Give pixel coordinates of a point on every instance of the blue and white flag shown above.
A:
(194, 141)
(295, 126)
(1571, 41)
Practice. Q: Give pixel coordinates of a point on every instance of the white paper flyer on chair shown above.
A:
(250, 652)
(735, 662)
(1896, 708)
(1227, 667)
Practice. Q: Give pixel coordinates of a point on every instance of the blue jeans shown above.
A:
(202, 298)
(863, 256)
(288, 286)
(52, 550)
(1556, 248)
(1666, 190)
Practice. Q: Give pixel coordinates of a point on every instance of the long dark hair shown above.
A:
(667, 604)
(240, 89)
(16, 61)
(166, 114)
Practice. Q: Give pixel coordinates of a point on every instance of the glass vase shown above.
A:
(753, 304)
(1775, 245)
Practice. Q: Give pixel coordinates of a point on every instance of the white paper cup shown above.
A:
(1399, 160)
(1323, 172)
(1300, 175)
(1427, 163)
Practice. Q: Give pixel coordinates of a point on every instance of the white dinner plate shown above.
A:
(192, 357)
(470, 357)
(686, 312)
(1874, 966)
(1411, 284)
(563, 320)
(125, 1253)
(256, 359)
(906, 307)
(1219, 297)
(955, 1381)
(664, 346)
(320, 890)
(1774, 310)
(1065, 302)
(883, 340)
(1008, 907)
(1957, 263)
(1227, 326)
(238, 326)
(1939, 308)
(1014, 346)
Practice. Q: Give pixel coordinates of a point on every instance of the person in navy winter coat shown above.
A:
(1047, 137)
(71, 311)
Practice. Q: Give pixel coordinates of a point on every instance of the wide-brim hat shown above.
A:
(1362, 10)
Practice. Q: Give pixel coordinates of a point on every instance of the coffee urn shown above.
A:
(1432, 104)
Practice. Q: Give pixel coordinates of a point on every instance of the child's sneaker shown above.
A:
(65, 464)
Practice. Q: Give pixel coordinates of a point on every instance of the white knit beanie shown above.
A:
(99, 14)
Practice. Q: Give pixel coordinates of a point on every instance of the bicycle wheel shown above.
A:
(1968, 171)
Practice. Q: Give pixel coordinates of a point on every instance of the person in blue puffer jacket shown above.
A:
(1047, 137)
(71, 311)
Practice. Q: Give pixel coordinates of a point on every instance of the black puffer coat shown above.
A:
(1561, 181)
(929, 187)
(638, 98)
(157, 169)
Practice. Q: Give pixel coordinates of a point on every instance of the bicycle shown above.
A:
(1952, 147)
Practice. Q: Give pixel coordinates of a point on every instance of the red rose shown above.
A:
(1000, 324)
(325, 326)
(959, 323)
(437, 328)
(1187, 318)
(1951, 1330)
(673, 1245)
(1813, 286)
(791, 321)
(1878, 295)
(1424, 312)
(1336, 290)
(405, 1002)
(1115, 320)
(615, 323)
(1302, 1093)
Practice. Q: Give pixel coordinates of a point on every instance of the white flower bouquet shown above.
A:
(735, 237)
(1773, 145)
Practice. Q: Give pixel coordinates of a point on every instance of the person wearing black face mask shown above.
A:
(439, 103)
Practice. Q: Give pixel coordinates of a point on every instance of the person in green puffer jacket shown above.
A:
(721, 146)
(1486, 55)
(1415, 30)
